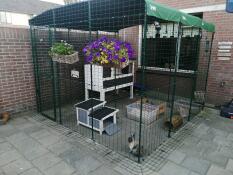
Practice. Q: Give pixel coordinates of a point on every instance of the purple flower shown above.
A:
(110, 56)
(116, 57)
(123, 59)
(98, 54)
(85, 50)
(89, 58)
(103, 39)
(105, 50)
(115, 50)
(95, 45)
(130, 54)
(109, 52)
(117, 47)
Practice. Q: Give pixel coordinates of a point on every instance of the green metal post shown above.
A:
(56, 76)
(59, 92)
(170, 69)
(97, 34)
(169, 81)
(53, 77)
(90, 39)
(177, 58)
(68, 35)
(70, 80)
(209, 62)
(195, 74)
(143, 57)
(35, 67)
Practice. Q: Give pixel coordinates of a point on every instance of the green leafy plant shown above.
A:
(61, 48)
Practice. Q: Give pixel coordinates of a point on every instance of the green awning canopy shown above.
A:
(113, 15)
(166, 13)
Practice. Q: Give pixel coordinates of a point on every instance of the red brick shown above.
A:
(17, 79)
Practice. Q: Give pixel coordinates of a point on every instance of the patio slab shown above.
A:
(8, 157)
(176, 156)
(32, 171)
(230, 165)
(60, 168)
(16, 167)
(4, 147)
(215, 170)
(46, 161)
(196, 164)
(171, 168)
(51, 149)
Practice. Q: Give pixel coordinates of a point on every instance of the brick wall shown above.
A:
(220, 70)
(17, 91)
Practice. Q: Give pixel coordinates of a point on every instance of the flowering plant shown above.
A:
(108, 51)
(61, 48)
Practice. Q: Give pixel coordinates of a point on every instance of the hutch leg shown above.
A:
(86, 94)
(131, 92)
(77, 117)
(114, 119)
(102, 96)
(101, 126)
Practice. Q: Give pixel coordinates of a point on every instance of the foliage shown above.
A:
(61, 48)
(108, 51)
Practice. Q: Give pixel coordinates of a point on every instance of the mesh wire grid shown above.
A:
(171, 64)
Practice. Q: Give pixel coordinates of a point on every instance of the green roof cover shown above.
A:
(166, 13)
(113, 15)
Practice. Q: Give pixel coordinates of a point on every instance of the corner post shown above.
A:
(177, 58)
(36, 68)
(91, 71)
(208, 67)
(143, 57)
(196, 71)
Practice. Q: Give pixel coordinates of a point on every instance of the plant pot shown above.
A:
(67, 59)
(4, 118)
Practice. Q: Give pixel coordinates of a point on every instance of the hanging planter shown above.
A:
(67, 59)
(109, 52)
(63, 52)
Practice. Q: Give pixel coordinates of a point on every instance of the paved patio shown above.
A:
(32, 145)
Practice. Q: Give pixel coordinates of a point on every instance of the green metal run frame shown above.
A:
(147, 16)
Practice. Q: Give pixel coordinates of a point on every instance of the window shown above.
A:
(161, 47)
(5, 18)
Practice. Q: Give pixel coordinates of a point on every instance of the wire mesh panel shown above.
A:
(44, 72)
(138, 78)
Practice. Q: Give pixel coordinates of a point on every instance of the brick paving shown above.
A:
(33, 145)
